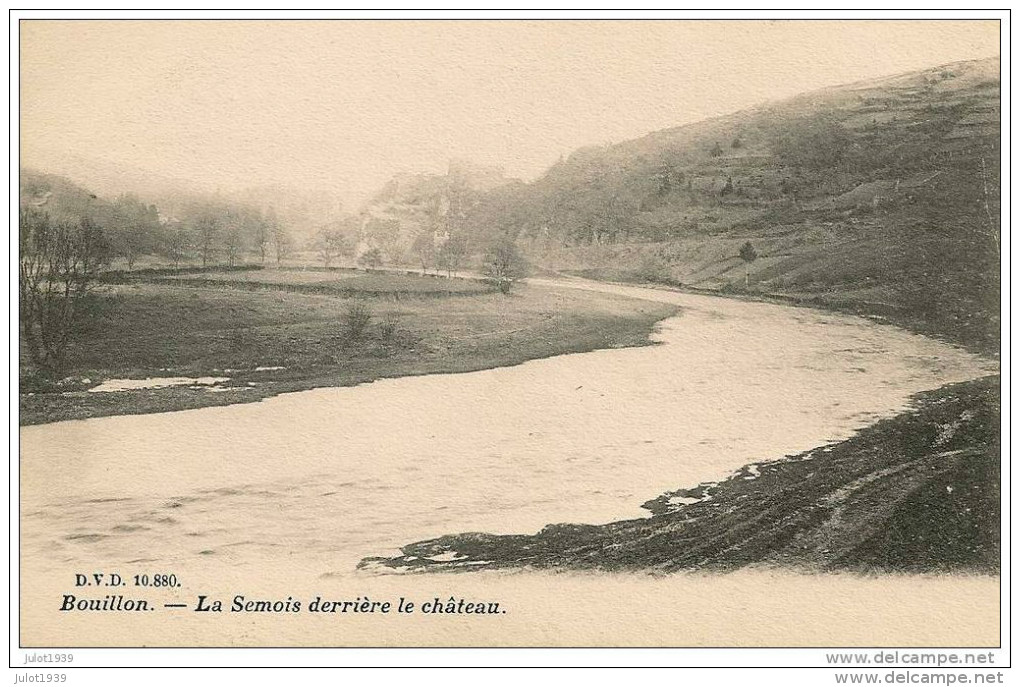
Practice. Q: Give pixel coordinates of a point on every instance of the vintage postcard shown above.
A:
(498, 333)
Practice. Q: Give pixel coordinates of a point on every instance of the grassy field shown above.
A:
(919, 492)
(271, 332)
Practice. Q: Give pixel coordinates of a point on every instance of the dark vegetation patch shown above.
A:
(347, 284)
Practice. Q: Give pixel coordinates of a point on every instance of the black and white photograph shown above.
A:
(477, 333)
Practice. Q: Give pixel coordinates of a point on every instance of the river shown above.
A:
(283, 497)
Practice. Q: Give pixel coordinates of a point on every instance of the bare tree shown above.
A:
(233, 237)
(282, 242)
(451, 254)
(207, 227)
(57, 270)
(132, 227)
(261, 233)
(330, 244)
(424, 247)
(176, 243)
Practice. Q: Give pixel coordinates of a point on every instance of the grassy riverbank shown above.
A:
(266, 332)
(919, 492)
(962, 319)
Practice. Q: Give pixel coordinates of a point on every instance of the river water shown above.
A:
(283, 497)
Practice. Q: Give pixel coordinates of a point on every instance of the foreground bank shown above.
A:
(919, 492)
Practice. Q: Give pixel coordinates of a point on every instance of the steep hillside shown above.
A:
(880, 197)
(60, 198)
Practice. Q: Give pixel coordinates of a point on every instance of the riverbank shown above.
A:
(971, 322)
(163, 343)
(919, 492)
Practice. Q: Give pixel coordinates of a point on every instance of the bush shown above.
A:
(388, 327)
(356, 319)
(504, 265)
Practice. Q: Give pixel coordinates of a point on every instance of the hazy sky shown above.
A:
(344, 105)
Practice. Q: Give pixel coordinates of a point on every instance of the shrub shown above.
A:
(388, 326)
(356, 319)
(504, 265)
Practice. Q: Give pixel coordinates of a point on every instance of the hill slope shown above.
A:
(57, 196)
(412, 204)
(880, 197)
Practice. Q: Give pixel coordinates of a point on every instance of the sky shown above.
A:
(344, 105)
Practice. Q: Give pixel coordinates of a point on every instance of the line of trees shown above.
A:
(440, 252)
(217, 232)
(209, 231)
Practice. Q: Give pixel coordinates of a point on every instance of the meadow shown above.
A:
(243, 335)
